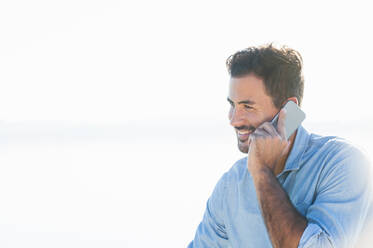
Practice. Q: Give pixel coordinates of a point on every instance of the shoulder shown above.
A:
(339, 159)
(232, 176)
(238, 171)
(332, 149)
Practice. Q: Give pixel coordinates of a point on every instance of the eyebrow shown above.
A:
(242, 102)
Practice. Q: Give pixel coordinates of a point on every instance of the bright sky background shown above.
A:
(113, 114)
(113, 60)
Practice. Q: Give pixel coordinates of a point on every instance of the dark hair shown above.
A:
(280, 69)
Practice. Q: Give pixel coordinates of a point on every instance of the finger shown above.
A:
(267, 126)
(260, 131)
(281, 124)
(258, 134)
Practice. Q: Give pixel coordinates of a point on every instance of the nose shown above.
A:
(236, 117)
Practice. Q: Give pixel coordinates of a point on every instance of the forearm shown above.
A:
(284, 224)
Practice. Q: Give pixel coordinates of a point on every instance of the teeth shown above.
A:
(243, 132)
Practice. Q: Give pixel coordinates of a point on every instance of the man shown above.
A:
(307, 191)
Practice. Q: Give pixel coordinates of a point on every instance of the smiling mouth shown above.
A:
(243, 135)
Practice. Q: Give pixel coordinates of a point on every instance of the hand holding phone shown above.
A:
(294, 117)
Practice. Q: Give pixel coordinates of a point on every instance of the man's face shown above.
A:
(250, 107)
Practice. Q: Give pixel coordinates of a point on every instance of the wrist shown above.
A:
(259, 172)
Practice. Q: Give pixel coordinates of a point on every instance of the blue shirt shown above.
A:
(327, 180)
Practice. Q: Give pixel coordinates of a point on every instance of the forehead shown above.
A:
(248, 87)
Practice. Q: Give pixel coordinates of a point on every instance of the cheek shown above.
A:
(250, 116)
(253, 118)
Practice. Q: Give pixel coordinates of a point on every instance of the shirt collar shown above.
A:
(300, 144)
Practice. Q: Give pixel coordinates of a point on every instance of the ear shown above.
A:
(293, 99)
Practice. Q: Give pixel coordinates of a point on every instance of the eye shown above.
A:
(247, 106)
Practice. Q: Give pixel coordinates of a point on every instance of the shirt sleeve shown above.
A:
(211, 231)
(343, 196)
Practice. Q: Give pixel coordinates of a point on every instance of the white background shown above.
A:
(113, 114)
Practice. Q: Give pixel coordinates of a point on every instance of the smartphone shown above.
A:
(294, 117)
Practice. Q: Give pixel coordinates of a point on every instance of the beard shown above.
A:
(243, 146)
